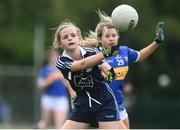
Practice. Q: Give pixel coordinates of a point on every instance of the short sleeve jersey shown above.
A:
(120, 64)
(56, 88)
(89, 79)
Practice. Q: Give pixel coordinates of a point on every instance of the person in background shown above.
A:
(54, 100)
(107, 35)
(129, 96)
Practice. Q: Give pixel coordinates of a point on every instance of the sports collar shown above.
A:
(83, 52)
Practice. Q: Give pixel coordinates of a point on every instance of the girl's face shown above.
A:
(69, 38)
(109, 38)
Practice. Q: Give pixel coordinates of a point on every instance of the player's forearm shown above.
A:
(147, 51)
(45, 82)
(87, 62)
(42, 84)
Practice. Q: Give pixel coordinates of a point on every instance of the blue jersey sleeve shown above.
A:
(133, 55)
(43, 73)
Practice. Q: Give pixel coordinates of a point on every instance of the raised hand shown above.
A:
(107, 52)
(159, 33)
(111, 75)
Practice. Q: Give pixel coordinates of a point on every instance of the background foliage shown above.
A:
(19, 17)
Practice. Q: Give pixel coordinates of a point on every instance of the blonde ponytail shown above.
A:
(91, 40)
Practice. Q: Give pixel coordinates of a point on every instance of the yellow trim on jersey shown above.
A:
(121, 72)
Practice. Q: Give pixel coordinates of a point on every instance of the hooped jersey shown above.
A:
(89, 79)
(120, 64)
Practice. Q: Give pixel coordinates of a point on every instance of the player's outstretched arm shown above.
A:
(159, 38)
(94, 59)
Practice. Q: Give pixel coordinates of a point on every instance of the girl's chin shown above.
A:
(72, 48)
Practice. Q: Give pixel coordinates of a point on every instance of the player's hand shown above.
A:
(107, 52)
(111, 75)
(159, 32)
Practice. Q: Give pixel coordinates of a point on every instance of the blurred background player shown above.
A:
(129, 96)
(54, 100)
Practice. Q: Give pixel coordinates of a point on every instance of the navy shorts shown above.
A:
(95, 106)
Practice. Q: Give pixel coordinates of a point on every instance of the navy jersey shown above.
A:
(95, 99)
(56, 88)
(89, 79)
(120, 64)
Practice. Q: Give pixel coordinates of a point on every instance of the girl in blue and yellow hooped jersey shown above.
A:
(106, 35)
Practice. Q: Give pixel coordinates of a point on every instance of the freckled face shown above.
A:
(109, 38)
(69, 38)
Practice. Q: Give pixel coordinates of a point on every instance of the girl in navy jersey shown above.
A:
(54, 100)
(82, 67)
(106, 35)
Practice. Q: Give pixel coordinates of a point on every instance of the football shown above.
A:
(124, 17)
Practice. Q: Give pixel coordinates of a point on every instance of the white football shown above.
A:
(124, 17)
